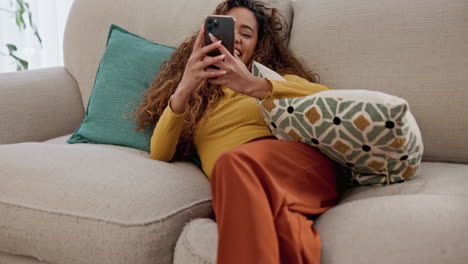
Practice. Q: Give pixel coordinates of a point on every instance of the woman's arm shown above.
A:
(166, 134)
(169, 127)
(294, 86)
(241, 80)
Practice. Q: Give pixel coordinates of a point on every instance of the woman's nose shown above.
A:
(237, 38)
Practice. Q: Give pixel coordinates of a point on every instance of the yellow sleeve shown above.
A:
(166, 134)
(294, 86)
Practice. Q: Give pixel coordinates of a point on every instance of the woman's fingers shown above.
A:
(213, 73)
(207, 61)
(218, 81)
(226, 52)
(212, 37)
(199, 40)
(216, 76)
(199, 54)
(222, 49)
(210, 47)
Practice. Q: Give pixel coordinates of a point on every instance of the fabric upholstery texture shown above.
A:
(197, 244)
(37, 105)
(415, 50)
(54, 199)
(132, 207)
(401, 229)
(127, 68)
(432, 178)
(87, 25)
(418, 221)
(8, 258)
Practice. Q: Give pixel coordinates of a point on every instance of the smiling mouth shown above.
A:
(237, 53)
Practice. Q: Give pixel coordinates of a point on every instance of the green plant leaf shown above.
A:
(37, 36)
(24, 64)
(34, 28)
(18, 11)
(23, 24)
(18, 21)
(11, 48)
(30, 18)
(20, 4)
(19, 14)
(20, 63)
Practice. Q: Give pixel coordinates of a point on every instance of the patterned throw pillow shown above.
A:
(372, 133)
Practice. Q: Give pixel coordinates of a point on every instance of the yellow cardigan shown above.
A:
(235, 120)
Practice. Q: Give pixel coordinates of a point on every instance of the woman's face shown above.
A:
(245, 32)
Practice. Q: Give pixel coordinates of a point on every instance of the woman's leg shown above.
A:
(261, 191)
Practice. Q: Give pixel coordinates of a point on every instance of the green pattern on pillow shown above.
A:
(127, 68)
(372, 133)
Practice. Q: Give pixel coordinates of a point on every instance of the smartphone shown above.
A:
(222, 27)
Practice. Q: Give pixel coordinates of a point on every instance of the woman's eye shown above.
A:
(246, 35)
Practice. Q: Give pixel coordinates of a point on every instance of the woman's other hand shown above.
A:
(238, 77)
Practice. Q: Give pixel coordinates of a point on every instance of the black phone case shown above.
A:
(222, 27)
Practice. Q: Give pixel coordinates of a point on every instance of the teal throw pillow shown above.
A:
(127, 68)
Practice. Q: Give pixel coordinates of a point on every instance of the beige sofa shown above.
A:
(85, 203)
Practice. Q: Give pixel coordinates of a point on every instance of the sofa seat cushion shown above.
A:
(87, 203)
(431, 178)
(418, 221)
(402, 229)
(18, 259)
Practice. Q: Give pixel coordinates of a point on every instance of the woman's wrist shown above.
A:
(260, 88)
(180, 99)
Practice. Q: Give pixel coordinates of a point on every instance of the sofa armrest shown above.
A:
(38, 105)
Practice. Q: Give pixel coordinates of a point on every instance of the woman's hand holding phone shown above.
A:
(196, 71)
(231, 72)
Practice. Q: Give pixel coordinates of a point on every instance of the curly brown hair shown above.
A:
(270, 51)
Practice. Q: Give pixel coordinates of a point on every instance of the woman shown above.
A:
(262, 188)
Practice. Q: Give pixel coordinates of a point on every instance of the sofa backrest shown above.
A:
(161, 21)
(417, 50)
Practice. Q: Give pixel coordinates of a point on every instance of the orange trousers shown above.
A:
(262, 191)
